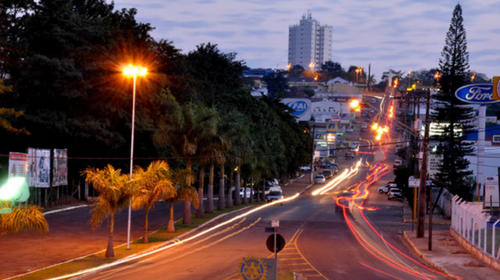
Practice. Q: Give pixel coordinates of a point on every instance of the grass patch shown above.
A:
(156, 239)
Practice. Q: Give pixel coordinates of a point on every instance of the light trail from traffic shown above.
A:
(335, 182)
(355, 201)
(177, 242)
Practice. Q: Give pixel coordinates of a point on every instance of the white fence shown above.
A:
(476, 226)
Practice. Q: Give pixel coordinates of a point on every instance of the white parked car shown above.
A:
(386, 188)
(247, 191)
(395, 194)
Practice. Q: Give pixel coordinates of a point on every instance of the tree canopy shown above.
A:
(454, 118)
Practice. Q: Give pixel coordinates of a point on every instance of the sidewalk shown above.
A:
(447, 255)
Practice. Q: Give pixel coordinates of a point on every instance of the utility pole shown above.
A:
(311, 177)
(423, 181)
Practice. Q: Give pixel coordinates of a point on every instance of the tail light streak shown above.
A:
(360, 193)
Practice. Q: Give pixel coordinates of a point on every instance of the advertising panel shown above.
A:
(60, 167)
(480, 93)
(18, 164)
(38, 168)
(301, 106)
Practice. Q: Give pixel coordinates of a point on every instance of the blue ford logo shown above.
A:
(300, 107)
(481, 93)
(490, 178)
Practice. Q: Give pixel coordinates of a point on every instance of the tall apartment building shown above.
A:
(309, 42)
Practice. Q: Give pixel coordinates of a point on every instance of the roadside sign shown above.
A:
(275, 223)
(269, 229)
(280, 243)
(413, 183)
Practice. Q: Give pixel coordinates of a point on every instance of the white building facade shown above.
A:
(309, 42)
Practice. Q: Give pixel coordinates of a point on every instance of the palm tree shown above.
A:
(23, 219)
(182, 131)
(234, 127)
(222, 199)
(152, 184)
(211, 153)
(113, 190)
(184, 192)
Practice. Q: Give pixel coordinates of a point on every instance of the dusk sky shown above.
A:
(397, 34)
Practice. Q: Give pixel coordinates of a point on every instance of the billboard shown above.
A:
(38, 168)
(302, 107)
(480, 93)
(60, 167)
(18, 164)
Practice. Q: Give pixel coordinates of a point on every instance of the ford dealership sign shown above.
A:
(481, 93)
(301, 106)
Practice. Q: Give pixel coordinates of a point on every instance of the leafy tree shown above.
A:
(453, 116)
(113, 190)
(23, 219)
(4, 123)
(309, 92)
(152, 184)
(209, 74)
(276, 83)
(63, 63)
(296, 71)
(332, 69)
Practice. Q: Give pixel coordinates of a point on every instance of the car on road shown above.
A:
(305, 168)
(319, 179)
(335, 169)
(349, 155)
(275, 193)
(328, 173)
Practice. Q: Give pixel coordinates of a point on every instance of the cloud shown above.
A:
(400, 34)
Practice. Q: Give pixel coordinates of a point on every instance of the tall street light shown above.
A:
(132, 71)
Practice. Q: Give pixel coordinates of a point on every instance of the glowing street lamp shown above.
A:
(132, 71)
(312, 65)
(358, 71)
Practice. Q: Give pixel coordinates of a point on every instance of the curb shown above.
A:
(427, 260)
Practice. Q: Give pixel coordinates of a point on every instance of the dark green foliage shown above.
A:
(64, 59)
(211, 74)
(454, 118)
(332, 70)
(296, 71)
(276, 83)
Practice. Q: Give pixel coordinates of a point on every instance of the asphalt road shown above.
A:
(323, 242)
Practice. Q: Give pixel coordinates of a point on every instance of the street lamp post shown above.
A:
(132, 71)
